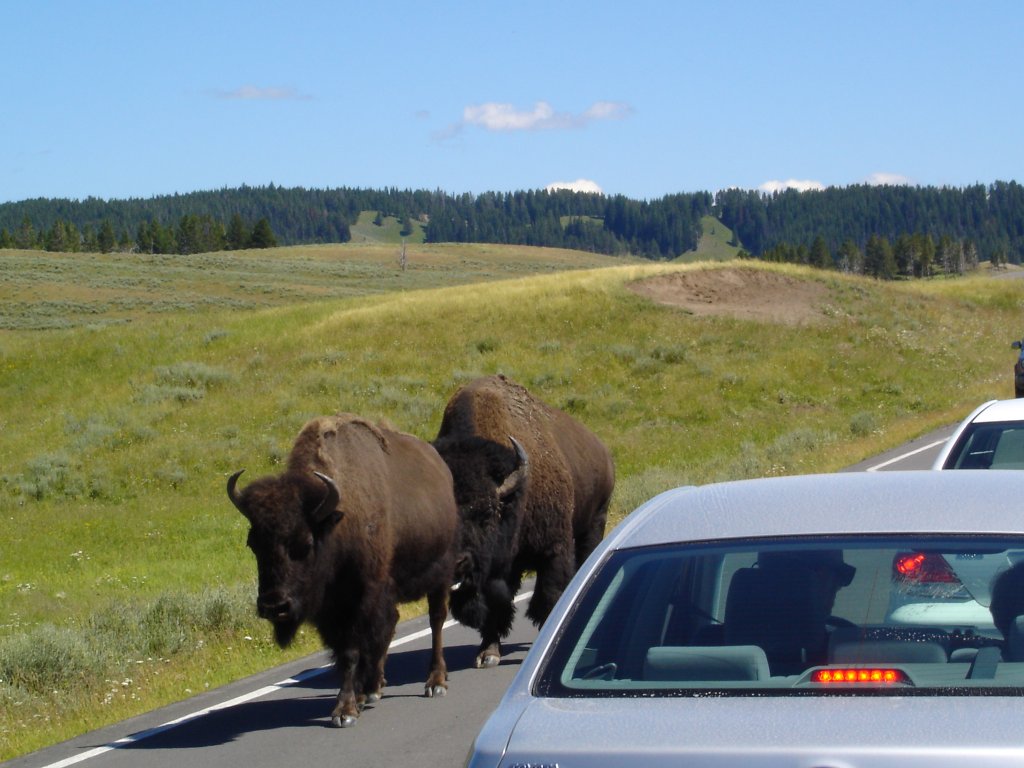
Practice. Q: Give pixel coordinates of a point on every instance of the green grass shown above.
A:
(389, 231)
(53, 291)
(715, 243)
(116, 438)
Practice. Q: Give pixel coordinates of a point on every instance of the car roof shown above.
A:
(966, 501)
(1000, 410)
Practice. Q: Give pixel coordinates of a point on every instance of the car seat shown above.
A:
(1014, 646)
(781, 610)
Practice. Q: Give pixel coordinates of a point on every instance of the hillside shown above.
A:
(122, 559)
(388, 231)
(42, 290)
(716, 243)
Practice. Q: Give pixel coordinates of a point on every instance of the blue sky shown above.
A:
(641, 97)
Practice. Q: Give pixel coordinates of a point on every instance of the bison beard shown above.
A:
(362, 518)
(532, 486)
(470, 605)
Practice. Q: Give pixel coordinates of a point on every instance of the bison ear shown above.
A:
(520, 472)
(327, 510)
(235, 497)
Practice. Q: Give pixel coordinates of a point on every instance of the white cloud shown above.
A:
(255, 93)
(580, 185)
(608, 110)
(801, 185)
(494, 116)
(887, 179)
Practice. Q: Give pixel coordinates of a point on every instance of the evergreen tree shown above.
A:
(106, 239)
(188, 235)
(262, 235)
(820, 255)
(904, 253)
(55, 239)
(26, 235)
(878, 259)
(238, 234)
(924, 254)
(144, 238)
(90, 243)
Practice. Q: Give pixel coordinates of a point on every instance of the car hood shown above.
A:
(845, 732)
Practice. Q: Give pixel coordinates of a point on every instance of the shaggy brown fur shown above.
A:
(544, 511)
(362, 518)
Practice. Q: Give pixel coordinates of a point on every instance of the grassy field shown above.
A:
(124, 579)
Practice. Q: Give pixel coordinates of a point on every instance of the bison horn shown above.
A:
(519, 473)
(236, 499)
(330, 501)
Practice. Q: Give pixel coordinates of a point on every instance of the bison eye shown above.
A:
(300, 548)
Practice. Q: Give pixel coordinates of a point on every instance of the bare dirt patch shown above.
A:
(749, 294)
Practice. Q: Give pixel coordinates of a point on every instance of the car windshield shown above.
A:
(895, 615)
(993, 445)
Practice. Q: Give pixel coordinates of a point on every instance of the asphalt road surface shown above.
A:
(283, 715)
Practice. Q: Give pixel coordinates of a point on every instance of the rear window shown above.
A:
(894, 615)
(995, 445)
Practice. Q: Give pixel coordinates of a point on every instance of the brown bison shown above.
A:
(532, 487)
(362, 518)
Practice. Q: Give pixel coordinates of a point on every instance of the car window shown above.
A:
(899, 615)
(996, 445)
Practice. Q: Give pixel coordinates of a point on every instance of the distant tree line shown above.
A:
(659, 229)
(194, 233)
(984, 222)
(916, 255)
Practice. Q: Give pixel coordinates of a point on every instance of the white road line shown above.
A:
(901, 457)
(300, 678)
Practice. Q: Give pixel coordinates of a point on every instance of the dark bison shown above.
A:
(362, 518)
(532, 486)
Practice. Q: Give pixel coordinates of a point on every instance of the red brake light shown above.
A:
(872, 676)
(919, 567)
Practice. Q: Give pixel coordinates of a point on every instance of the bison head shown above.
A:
(290, 518)
(490, 481)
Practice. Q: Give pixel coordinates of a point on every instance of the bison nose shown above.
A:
(273, 607)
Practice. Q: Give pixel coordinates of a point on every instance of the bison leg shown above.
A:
(346, 709)
(378, 656)
(552, 578)
(489, 654)
(437, 679)
(375, 631)
(591, 537)
(499, 596)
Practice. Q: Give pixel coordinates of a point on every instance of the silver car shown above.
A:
(750, 623)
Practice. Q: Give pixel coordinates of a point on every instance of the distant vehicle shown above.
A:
(930, 588)
(991, 437)
(1018, 370)
(752, 623)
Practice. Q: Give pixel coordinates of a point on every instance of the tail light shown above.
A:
(926, 574)
(870, 676)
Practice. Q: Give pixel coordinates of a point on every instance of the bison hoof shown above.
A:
(436, 690)
(373, 698)
(486, 662)
(343, 721)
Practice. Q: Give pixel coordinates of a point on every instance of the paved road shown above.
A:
(283, 715)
